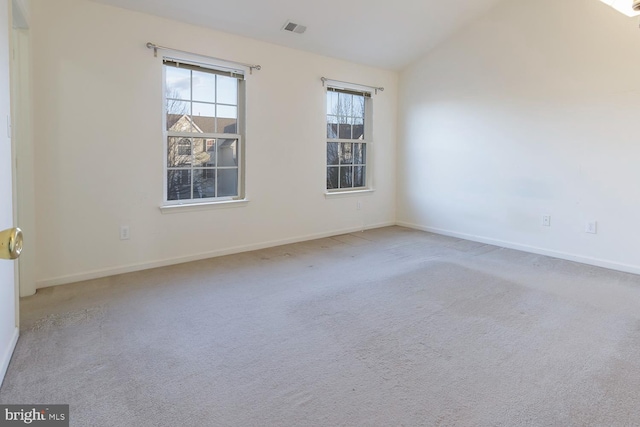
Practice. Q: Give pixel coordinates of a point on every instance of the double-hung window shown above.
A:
(348, 137)
(203, 137)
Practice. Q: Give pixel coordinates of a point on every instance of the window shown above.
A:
(203, 117)
(184, 147)
(348, 133)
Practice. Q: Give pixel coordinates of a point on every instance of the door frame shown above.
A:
(22, 146)
(8, 26)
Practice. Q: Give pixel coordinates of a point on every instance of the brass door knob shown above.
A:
(10, 243)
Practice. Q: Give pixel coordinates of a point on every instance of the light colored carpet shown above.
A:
(390, 327)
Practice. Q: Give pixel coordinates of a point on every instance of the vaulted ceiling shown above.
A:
(384, 33)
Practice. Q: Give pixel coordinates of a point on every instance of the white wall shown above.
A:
(98, 145)
(531, 110)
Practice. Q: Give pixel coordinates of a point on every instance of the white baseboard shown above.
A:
(96, 274)
(6, 357)
(613, 265)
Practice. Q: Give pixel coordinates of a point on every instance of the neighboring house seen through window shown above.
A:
(203, 139)
(348, 133)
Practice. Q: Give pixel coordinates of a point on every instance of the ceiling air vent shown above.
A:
(636, 5)
(294, 28)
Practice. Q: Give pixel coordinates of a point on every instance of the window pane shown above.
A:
(346, 177)
(332, 103)
(333, 149)
(179, 184)
(204, 183)
(178, 83)
(227, 125)
(178, 152)
(358, 131)
(204, 87)
(345, 132)
(178, 107)
(227, 182)
(344, 106)
(332, 131)
(359, 154)
(177, 115)
(227, 119)
(346, 153)
(226, 111)
(359, 178)
(332, 178)
(358, 106)
(202, 157)
(204, 118)
(227, 90)
(227, 152)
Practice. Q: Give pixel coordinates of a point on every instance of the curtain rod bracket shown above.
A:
(154, 47)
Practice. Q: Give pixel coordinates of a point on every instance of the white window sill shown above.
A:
(337, 194)
(190, 207)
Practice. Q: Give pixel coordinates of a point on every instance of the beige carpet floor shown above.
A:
(390, 327)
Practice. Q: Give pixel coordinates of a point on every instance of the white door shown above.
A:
(8, 301)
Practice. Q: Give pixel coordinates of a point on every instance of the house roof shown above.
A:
(204, 124)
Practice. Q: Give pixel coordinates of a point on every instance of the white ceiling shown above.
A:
(384, 33)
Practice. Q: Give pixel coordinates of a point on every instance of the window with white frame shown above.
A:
(203, 138)
(348, 136)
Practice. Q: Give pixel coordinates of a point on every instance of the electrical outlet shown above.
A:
(124, 232)
(546, 220)
(591, 227)
(358, 205)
